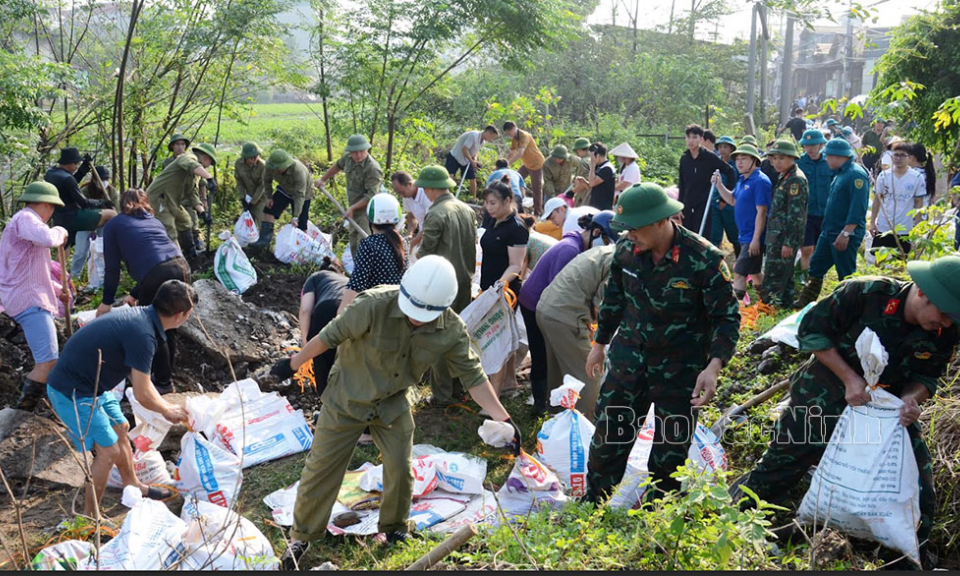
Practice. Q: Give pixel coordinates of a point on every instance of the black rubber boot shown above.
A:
(30, 394)
(811, 292)
(266, 236)
(186, 243)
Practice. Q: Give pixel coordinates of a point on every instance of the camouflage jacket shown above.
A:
(878, 303)
(788, 211)
(681, 308)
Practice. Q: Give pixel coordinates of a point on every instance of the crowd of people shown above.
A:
(610, 274)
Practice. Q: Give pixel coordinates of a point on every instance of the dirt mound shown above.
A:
(279, 291)
(31, 448)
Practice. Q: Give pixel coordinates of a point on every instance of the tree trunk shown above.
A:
(391, 127)
(323, 88)
(117, 152)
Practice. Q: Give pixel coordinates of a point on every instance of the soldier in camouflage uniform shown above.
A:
(175, 187)
(177, 145)
(364, 179)
(670, 302)
(249, 171)
(581, 169)
(558, 172)
(916, 323)
(785, 225)
(293, 191)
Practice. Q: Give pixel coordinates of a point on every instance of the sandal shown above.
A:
(161, 492)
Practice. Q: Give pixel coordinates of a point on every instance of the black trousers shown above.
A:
(144, 292)
(538, 357)
(323, 312)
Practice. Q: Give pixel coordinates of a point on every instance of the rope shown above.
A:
(304, 375)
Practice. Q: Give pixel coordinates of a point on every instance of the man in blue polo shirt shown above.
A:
(751, 202)
(99, 356)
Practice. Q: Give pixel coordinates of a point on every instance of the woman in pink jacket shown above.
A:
(26, 287)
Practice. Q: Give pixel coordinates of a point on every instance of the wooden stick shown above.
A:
(442, 550)
(727, 417)
(62, 257)
(343, 212)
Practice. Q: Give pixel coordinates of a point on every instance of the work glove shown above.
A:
(87, 158)
(282, 370)
(517, 438)
(206, 218)
(211, 186)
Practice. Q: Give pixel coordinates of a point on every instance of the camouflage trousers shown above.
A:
(789, 456)
(778, 287)
(635, 380)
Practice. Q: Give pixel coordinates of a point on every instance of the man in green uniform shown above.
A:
(785, 225)
(293, 190)
(177, 185)
(177, 145)
(450, 230)
(248, 171)
(581, 169)
(819, 176)
(557, 172)
(844, 220)
(917, 325)
(671, 304)
(385, 340)
(364, 179)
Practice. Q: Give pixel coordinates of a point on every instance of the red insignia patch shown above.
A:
(892, 306)
(676, 253)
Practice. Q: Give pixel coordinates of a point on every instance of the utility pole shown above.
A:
(845, 80)
(764, 37)
(670, 25)
(786, 81)
(752, 63)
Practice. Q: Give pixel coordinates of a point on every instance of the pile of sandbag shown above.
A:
(448, 492)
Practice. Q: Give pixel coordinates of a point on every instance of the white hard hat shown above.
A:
(551, 205)
(428, 288)
(383, 209)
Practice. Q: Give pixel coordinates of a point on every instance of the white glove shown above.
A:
(249, 199)
(496, 434)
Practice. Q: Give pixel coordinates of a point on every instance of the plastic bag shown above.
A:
(480, 509)
(66, 555)
(347, 260)
(151, 427)
(496, 434)
(273, 430)
(150, 533)
(563, 443)
(530, 486)
(232, 267)
(457, 473)
(294, 246)
(149, 468)
(424, 477)
(207, 471)
(219, 539)
(786, 330)
(245, 230)
(867, 482)
(96, 265)
(492, 326)
(317, 234)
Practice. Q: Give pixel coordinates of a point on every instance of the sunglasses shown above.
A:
(899, 155)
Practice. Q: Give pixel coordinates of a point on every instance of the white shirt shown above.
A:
(886, 161)
(897, 195)
(574, 214)
(631, 173)
(471, 140)
(418, 205)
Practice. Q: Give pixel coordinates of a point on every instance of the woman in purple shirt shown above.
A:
(597, 232)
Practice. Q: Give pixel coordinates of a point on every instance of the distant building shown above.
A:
(820, 56)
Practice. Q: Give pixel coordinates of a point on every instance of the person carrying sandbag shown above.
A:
(917, 324)
(386, 340)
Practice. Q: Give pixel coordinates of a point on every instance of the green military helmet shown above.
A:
(785, 147)
(838, 147)
(641, 205)
(940, 282)
(279, 160)
(559, 151)
(813, 137)
(581, 144)
(435, 177)
(250, 150)
(748, 139)
(726, 140)
(41, 192)
(746, 150)
(176, 138)
(356, 143)
(208, 150)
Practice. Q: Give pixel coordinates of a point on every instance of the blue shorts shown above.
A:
(453, 165)
(812, 231)
(40, 332)
(106, 414)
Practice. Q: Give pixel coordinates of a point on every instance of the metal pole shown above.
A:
(752, 62)
(764, 35)
(706, 211)
(786, 80)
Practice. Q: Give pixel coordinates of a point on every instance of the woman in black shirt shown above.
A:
(319, 301)
(504, 244)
